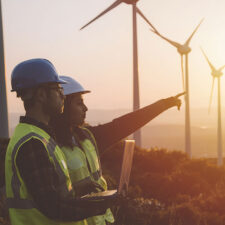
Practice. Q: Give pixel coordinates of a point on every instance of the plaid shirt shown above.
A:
(41, 180)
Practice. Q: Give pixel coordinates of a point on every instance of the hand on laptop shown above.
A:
(87, 187)
(96, 187)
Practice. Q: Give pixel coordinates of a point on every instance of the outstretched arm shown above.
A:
(110, 133)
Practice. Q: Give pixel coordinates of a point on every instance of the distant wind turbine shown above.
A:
(217, 74)
(136, 97)
(183, 49)
(4, 128)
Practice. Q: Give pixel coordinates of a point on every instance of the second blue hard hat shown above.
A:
(72, 86)
(32, 73)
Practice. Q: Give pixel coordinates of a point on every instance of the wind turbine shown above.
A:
(217, 73)
(4, 128)
(136, 97)
(183, 50)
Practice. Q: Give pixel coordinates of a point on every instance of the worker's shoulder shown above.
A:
(24, 132)
(22, 137)
(32, 150)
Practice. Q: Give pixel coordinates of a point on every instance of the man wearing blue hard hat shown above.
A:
(38, 185)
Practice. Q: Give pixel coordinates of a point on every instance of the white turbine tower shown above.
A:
(183, 50)
(4, 128)
(217, 74)
(136, 98)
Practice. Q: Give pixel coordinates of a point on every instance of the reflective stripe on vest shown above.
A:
(87, 172)
(93, 141)
(17, 202)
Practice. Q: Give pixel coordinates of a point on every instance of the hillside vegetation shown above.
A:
(166, 188)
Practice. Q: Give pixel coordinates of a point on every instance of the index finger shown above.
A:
(180, 94)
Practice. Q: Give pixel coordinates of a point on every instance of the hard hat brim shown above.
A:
(72, 86)
(58, 81)
(85, 92)
(75, 93)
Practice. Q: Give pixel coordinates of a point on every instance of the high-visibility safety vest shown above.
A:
(22, 209)
(83, 164)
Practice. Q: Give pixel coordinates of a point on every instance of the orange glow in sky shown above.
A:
(100, 57)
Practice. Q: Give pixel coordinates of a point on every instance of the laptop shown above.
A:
(124, 175)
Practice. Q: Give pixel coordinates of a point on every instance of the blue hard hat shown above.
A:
(72, 86)
(33, 72)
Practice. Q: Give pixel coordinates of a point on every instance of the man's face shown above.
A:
(54, 103)
(77, 110)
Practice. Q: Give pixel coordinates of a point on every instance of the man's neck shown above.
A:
(41, 117)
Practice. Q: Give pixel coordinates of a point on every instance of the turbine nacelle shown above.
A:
(216, 73)
(183, 49)
(130, 1)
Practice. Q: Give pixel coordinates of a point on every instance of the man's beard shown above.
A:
(51, 110)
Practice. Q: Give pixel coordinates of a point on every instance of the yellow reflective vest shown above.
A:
(22, 209)
(83, 164)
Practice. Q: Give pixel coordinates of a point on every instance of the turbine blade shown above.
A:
(210, 64)
(221, 68)
(146, 20)
(115, 4)
(175, 44)
(182, 71)
(210, 100)
(189, 39)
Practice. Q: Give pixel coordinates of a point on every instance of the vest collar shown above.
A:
(29, 120)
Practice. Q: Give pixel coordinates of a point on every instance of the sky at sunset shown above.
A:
(100, 56)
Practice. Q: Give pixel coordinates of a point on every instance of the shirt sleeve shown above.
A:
(121, 127)
(41, 180)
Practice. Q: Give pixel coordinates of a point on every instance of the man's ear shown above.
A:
(41, 95)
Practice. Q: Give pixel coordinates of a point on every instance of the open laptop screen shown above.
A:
(124, 175)
(126, 166)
